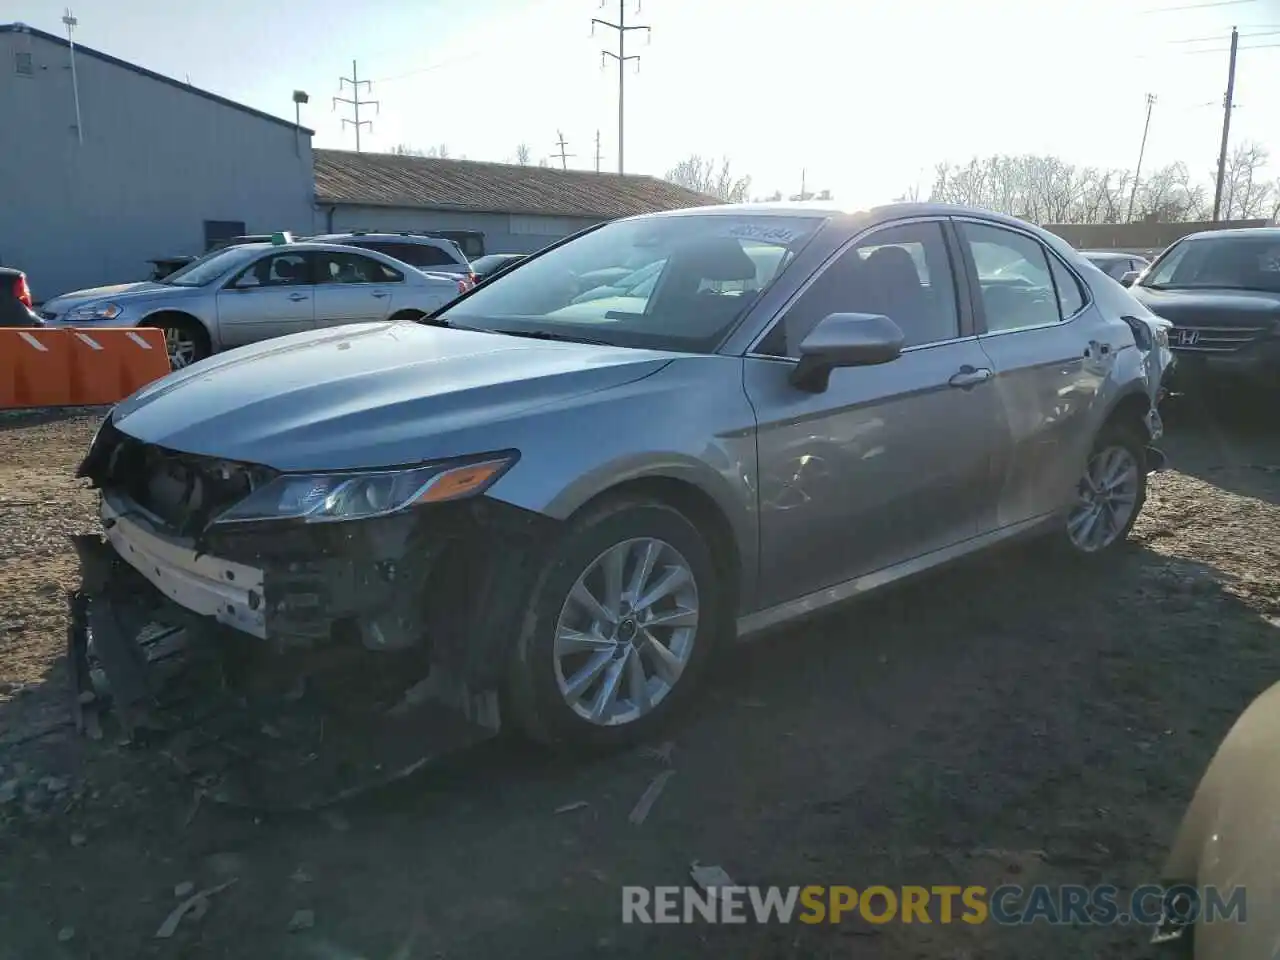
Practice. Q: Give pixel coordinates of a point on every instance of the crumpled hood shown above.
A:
(1210, 308)
(367, 395)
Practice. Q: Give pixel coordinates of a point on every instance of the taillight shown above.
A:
(22, 291)
(463, 286)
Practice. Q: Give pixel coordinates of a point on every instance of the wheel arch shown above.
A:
(1129, 408)
(157, 318)
(696, 491)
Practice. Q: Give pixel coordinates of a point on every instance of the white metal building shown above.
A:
(154, 168)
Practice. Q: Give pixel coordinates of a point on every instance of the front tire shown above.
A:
(1110, 494)
(618, 629)
(185, 340)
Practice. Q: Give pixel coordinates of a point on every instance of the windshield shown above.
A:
(210, 267)
(678, 283)
(1232, 263)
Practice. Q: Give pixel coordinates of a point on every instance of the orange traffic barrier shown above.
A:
(35, 367)
(60, 367)
(108, 364)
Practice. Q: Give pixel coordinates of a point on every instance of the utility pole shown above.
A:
(599, 156)
(621, 56)
(564, 157)
(356, 102)
(70, 22)
(1226, 125)
(1137, 173)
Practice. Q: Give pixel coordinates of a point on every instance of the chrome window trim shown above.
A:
(853, 241)
(1049, 252)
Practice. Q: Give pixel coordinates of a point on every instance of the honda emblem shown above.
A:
(1188, 338)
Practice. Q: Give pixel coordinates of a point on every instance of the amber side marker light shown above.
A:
(462, 481)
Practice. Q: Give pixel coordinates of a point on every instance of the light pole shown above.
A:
(299, 98)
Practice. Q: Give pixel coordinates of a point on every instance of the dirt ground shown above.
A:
(1009, 719)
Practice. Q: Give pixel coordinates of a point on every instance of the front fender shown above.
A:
(690, 423)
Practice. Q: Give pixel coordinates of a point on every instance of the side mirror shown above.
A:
(845, 340)
(1130, 277)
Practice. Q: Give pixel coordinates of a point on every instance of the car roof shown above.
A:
(411, 237)
(301, 245)
(1272, 233)
(829, 209)
(1111, 254)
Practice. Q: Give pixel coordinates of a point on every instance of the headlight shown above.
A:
(1161, 335)
(327, 497)
(95, 311)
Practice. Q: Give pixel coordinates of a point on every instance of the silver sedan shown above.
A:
(254, 291)
(570, 503)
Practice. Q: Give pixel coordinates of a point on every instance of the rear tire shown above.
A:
(185, 340)
(1110, 494)
(618, 629)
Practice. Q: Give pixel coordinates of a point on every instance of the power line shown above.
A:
(564, 157)
(1198, 6)
(623, 29)
(356, 102)
(1218, 39)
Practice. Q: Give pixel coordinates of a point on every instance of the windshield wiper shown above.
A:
(553, 335)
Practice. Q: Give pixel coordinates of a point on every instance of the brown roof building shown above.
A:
(518, 208)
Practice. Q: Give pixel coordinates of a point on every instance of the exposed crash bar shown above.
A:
(229, 592)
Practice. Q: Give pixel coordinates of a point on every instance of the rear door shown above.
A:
(271, 297)
(890, 462)
(1050, 349)
(353, 288)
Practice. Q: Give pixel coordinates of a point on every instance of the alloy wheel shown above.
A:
(1106, 499)
(181, 346)
(626, 632)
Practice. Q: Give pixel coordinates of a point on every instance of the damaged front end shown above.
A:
(291, 658)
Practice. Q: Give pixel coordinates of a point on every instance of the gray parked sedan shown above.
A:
(254, 291)
(570, 504)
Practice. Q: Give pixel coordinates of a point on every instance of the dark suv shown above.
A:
(1221, 292)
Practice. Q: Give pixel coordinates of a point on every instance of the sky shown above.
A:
(861, 97)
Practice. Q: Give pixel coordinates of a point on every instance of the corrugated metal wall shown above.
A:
(156, 162)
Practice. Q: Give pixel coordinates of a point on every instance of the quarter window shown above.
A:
(902, 272)
(1014, 278)
(1071, 298)
(415, 254)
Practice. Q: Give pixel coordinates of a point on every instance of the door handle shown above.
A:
(380, 294)
(295, 297)
(970, 377)
(1096, 349)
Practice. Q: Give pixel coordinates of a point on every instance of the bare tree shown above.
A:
(1245, 194)
(711, 178)
(404, 150)
(1046, 189)
(522, 154)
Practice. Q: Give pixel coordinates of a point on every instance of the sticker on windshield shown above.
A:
(766, 233)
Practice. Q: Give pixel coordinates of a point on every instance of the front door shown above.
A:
(271, 297)
(1051, 351)
(892, 461)
(353, 288)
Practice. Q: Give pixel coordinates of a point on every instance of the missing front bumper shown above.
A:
(251, 725)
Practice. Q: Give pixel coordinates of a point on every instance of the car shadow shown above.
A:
(1051, 710)
(1229, 439)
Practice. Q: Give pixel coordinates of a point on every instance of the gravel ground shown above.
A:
(1010, 719)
